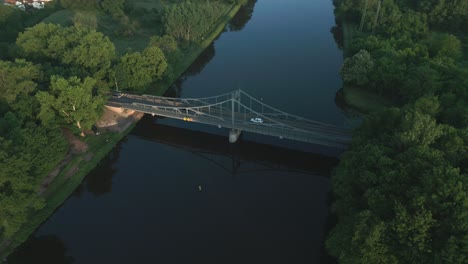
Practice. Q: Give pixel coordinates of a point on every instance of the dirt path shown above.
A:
(76, 147)
(113, 120)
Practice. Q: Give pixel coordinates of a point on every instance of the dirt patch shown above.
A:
(117, 120)
(76, 145)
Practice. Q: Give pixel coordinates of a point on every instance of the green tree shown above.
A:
(17, 78)
(356, 69)
(444, 45)
(190, 20)
(72, 100)
(85, 19)
(137, 70)
(421, 80)
(417, 129)
(78, 50)
(170, 48)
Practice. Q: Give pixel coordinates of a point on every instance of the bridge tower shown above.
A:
(234, 134)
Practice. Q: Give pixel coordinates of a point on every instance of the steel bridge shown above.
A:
(239, 112)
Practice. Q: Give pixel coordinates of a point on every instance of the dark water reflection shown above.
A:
(176, 192)
(99, 181)
(42, 249)
(239, 157)
(243, 16)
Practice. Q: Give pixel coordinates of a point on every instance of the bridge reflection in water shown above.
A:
(239, 112)
(244, 157)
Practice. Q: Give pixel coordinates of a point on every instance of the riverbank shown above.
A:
(79, 165)
(71, 172)
(193, 51)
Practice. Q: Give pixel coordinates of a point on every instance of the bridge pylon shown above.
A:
(234, 135)
(235, 102)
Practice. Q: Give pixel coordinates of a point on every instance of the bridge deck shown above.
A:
(235, 111)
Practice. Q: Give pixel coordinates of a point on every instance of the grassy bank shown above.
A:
(63, 184)
(364, 101)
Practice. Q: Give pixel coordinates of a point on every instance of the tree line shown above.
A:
(400, 192)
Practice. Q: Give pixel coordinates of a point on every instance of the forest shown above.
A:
(57, 76)
(400, 191)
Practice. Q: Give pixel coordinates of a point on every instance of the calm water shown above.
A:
(263, 200)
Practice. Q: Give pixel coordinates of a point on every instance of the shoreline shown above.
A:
(80, 165)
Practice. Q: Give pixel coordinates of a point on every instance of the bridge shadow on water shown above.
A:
(244, 156)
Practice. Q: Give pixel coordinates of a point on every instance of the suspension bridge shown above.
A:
(237, 111)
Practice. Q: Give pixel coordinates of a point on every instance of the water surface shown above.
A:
(262, 200)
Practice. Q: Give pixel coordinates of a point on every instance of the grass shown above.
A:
(365, 102)
(136, 42)
(62, 17)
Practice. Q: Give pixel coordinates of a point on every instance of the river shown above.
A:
(177, 192)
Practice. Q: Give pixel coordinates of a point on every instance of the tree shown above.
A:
(444, 45)
(137, 70)
(397, 197)
(85, 19)
(190, 20)
(17, 78)
(113, 7)
(17, 194)
(170, 48)
(356, 69)
(166, 43)
(71, 100)
(77, 50)
(421, 80)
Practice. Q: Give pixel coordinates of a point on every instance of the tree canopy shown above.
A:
(137, 70)
(72, 100)
(78, 50)
(401, 190)
(190, 20)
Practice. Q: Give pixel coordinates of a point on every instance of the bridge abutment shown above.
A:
(234, 135)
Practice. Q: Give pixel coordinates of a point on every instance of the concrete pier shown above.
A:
(234, 135)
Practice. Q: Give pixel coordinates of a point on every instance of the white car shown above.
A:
(256, 120)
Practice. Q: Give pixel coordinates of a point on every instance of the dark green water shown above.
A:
(263, 200)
